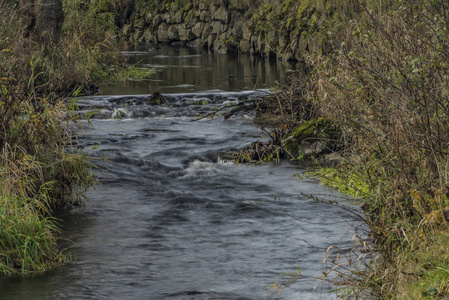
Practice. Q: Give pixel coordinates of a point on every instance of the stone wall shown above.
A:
(289, 30)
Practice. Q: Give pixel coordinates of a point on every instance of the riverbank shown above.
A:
(389, 96)
(385, 87)
(39, 169)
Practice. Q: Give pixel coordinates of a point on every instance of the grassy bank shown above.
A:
(39, 171)
(39, 168)
(385, 85)
(86, 54)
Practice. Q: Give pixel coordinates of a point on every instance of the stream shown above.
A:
(173, 217)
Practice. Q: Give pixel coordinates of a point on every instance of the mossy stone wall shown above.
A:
(290, 30)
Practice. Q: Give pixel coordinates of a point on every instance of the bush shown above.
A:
(38, 172)
(88, 51)
(386, 86)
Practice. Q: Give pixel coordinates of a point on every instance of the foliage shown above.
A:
(278, 116)
(28, 242)
(386, 86)
(87, 54)
(38, 172)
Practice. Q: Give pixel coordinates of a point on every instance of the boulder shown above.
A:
(237, 30)
(172, 33)
(216, 45)
(157, 20)
(167, 17)
(216, 27)
(222, 14)
(198, 29)
(162, 33)
(190, 23)
(149, 35)
(246, 31)
(203, 16)
(210, 40)
(244, 46)
(148, 17)
(207, 31)
(312, 138)
(185, 34)
(197, 42)
(179, 17)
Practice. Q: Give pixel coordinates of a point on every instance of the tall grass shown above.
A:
(87, 53)
(385, 84)
(39, 171)
(387, 87)
(39, 168)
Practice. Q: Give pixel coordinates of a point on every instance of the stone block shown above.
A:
(191, 23)
(179, 17)
(172, 33)
(237, 30)
(246, 31)
(148, 35)
(210, 40)
(207, 31)
(216, 27)
(244, 46)
(157, 20)
(185, 34)
(198, 29)
(162, 33)
(217, 44)
(222, 14)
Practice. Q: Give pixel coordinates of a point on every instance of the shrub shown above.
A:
(386, 86)
(38, 171)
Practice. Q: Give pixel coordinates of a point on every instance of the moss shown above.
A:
(100, 5)
(343, 180)
(311, 131)
(329, 8)
(302, 9)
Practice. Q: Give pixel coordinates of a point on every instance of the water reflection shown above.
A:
(195, 69)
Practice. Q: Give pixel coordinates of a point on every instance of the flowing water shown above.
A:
(174, 217)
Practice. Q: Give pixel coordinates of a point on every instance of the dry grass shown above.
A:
(38, 172)
(87, 54)
(386, 86)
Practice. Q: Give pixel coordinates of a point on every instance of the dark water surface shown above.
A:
(196, 69)
(173, 217)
